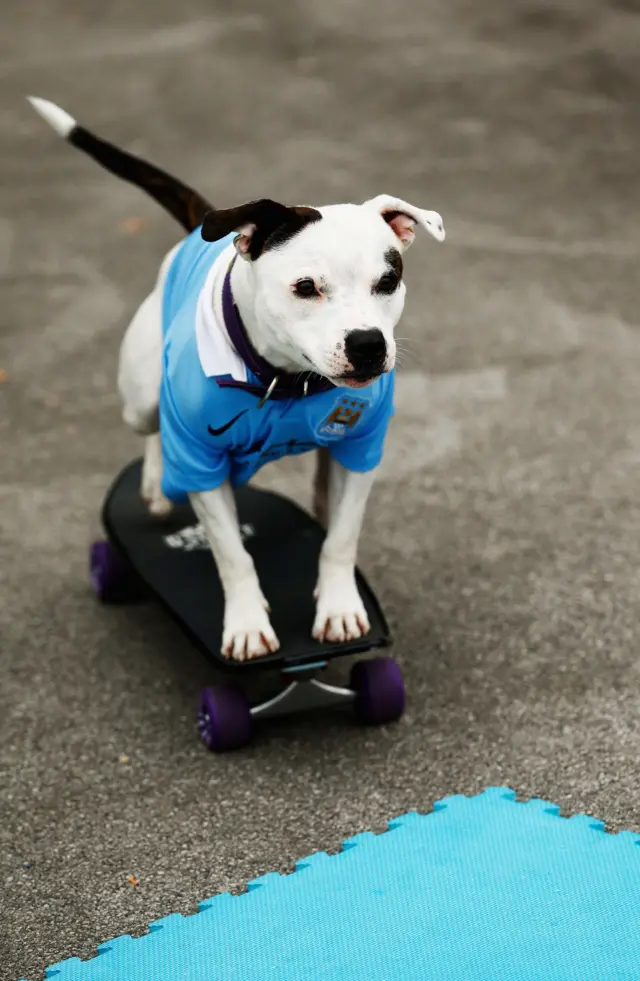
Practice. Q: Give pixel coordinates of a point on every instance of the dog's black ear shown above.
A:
(260, 225)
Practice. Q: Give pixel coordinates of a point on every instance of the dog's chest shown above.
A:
(291, 427)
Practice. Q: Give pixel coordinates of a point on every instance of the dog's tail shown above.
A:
(186, 205)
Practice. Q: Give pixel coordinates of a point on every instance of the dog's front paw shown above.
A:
(247, 629)
(340, 612)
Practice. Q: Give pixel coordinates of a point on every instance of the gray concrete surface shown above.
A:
(504, 536)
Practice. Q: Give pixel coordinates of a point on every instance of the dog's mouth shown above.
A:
(357, 379)
(353, 378)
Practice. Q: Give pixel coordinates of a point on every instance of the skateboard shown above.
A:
(170, 562)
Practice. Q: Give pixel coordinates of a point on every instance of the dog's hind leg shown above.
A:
(139, 377)
(151, 486)
(321, 486)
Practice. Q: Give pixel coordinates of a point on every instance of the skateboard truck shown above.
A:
(376, 692)
(302, 695)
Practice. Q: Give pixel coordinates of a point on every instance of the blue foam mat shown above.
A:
(481, 889)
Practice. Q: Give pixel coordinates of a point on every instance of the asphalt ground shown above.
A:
(503, 535)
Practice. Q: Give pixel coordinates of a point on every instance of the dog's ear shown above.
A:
(260, 225)
(403, 218)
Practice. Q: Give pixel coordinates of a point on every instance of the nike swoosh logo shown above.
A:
(227, 425)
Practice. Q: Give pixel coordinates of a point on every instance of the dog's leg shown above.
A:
(321, 486)
(139, 377)
(340, 612)
(247, 631)
(151, 488)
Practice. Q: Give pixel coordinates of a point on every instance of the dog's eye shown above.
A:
(305, 288)
(387, 283)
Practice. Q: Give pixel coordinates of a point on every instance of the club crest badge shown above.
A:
(343, 417)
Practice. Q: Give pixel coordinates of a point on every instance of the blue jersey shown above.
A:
(212, 427)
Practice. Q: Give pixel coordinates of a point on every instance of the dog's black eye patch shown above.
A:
(389, 281)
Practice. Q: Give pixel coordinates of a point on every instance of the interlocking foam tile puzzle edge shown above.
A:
(482, 888)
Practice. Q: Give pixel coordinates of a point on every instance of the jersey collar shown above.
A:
(277, 384)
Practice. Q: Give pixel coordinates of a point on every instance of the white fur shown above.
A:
(429, 220)
(140, 362)
(247, 632)
(340, 612)
(58, 118)
(151, 489)
(345, 255)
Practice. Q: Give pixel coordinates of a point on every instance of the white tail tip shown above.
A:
(58, 119)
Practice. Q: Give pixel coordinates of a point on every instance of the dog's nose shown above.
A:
(366, 349)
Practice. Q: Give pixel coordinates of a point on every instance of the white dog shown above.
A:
(270, 331)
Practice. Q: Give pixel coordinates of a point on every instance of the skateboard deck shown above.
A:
(172, 559)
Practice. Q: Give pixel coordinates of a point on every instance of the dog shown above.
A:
(269, 331)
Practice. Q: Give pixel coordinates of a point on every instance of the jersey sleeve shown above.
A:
(362, 450)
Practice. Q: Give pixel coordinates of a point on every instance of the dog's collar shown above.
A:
(277, 384)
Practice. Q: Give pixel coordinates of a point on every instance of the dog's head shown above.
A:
(326, 283)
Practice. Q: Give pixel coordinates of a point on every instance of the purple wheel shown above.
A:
(379, 691)
(110, 575)
(224, 719)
